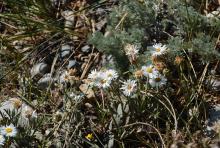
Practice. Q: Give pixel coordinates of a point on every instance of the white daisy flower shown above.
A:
(149, 70)
(94, 77)
(157, 80)
(158, 49)
(131, 50)
(9, 130)
(111, 74)
(102, 81)
(93, 74)
(2, 140)
(129, 87)
(13, 104)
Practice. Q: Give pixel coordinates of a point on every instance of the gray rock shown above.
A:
(101, 24)
(85, 48)
(214, 84)
(40, 69)
(65, 50)
(69, 18)
(214, 116)
(71, 64)
(45, 82)
(65, 53)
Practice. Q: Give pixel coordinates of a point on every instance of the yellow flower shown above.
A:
(89, 136)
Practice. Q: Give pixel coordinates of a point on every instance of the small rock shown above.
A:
(214, 117)
(88, 105)
(39, 69)
(86, 90)
(214, 84)
(69, 18)
(71, 64)
(214, 114)
(85, 49)
(45, 82)
(101, 24)
(65, 50)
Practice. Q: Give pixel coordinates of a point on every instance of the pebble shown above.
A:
(65, 50)
(45, 81)
(88, 105)
(85, 48)
(214, 84)
(214, 116)
(87, 91)
(39, 69)
(71, 64)
(69, 18)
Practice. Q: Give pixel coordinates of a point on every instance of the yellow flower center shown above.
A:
(17, 103)
(158, 49)
(110, 75)
(149, 69)
(8, 129)
(129, 87)
(103, 81)
(89, 136)
(158, 79)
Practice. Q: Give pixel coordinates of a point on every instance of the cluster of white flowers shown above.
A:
(103, 78)
(17, 105)
(7, 131)
(155, 78)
